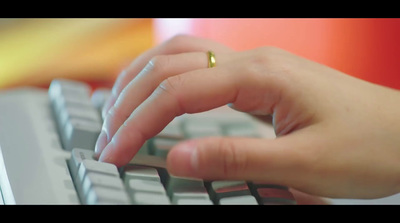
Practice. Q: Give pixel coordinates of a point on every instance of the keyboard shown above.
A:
(47, 140)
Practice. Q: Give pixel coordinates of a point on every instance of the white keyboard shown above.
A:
(47, 140)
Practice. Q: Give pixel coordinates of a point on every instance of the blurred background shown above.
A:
(34, 51)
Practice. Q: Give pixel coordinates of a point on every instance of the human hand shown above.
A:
(337, 136)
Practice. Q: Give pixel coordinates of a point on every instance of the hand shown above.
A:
(337, 136)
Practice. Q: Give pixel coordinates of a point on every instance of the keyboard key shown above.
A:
(80, 133)
(222, 189)
(149, 198)
(192, 201)
(68, 88)
(79, 111)
(150, 186)
(198, 196)
(93, 179)
(239, 200)
(95, 166)
(179, 188)
(140, 172)
(104, 195)
(77, 156)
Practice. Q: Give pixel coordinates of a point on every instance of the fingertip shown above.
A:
(182, 160)
(100, 144)
(109, 155)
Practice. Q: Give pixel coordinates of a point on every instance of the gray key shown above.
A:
(140, 172)
(95, 166)
(198, 195)
(144, 191)
(179, 188)
(80, 133)
(221, 189)
(62, 102)
(150, 186)
(77, 156)
(104, 195)
(93, 179)
(149, 198)
(67, 87)
(239, 200)
(77, 111)
(192, 201)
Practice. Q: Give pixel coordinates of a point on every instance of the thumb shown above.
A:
(277, 161)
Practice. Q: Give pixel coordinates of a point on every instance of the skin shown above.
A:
(337, 136)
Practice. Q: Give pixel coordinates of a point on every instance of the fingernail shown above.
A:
(107, 155)
(101, 143)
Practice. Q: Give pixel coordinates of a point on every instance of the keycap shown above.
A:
(192, 201)
(150, 186)
(140, 172)
(239, 200)
(77, 156)
(61, 102)
(95, 166)
(222, 189)
(80, 133)
(179, 188)
(93, 179)
(68, 88)
(149, 198)
(147, 191)
(81, 111)
(104, 195)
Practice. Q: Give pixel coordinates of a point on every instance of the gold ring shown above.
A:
(211, 59)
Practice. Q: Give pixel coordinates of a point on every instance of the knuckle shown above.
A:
(265, 55)
(158, 63)
(234, 160)
(171, 87)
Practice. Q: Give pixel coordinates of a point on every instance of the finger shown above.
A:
(192, 92)
(141, 87)
(155, 113)
(275, 161)
(176, 45)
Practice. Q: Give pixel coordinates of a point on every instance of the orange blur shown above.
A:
(34, 51)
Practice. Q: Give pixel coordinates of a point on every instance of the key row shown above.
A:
(78, 122)
(102, 183)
